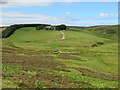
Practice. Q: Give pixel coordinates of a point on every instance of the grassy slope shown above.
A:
(28, 36)
(60, 70)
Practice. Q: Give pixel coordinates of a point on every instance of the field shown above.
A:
(85, 58)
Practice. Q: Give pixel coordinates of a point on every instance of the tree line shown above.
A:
(11, 29)
(57, 27)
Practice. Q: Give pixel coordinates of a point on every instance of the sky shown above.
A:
(68, 12)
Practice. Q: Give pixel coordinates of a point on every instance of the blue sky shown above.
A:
(69, 13)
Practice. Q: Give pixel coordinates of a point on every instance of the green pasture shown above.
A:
(31, 58)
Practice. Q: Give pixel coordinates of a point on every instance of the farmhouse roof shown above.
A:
(48, 26)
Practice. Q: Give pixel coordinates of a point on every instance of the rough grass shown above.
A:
(30, 59)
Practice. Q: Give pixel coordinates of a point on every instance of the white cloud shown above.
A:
(13, 14)
(28, 0)
(114, 15)
(28, 3)
(9, 18)
(24, 3)
(16, 18)
(104, 15)
(68, 13)
(107, 15)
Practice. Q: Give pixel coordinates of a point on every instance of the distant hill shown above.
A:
(93, 26)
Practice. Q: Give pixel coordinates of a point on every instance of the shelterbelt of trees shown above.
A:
(57, 27)
(11, 29)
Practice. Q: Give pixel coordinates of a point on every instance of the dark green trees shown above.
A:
(49, 27)
(61, 27)
(40, 27)
(10, 30)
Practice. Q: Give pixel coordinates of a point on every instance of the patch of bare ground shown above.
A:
(87, 72)
(55, 82)
(28, 76)
(50, 41)
(37, 61)
(7, 50)
(108, 31)
(63, 56)
(111, 32)
(45, 78)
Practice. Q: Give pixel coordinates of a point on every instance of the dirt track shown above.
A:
(63, 35)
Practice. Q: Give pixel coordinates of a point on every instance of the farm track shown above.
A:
(63, 35)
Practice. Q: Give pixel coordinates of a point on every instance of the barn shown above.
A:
(50, 28)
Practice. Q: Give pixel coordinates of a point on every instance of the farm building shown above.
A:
(50, 28)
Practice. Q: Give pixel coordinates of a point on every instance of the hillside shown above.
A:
(86, 58)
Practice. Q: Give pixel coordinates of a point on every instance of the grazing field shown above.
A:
(85, 58)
